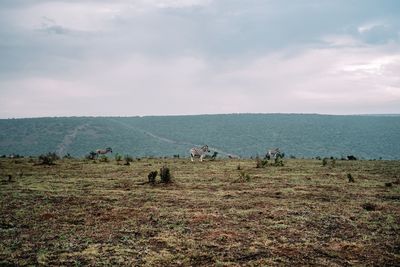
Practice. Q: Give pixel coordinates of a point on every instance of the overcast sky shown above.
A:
(166, 57)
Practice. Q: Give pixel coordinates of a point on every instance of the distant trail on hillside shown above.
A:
(69, 139)
(167, 140)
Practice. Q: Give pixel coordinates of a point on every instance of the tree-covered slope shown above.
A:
(237, 134)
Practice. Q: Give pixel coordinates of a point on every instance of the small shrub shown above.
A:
(176, 156)
(350, 177)
(325, 161)
(261, 163)
(351, 157)
(278, 161)
(388, 184)
(103, 158)
(48, 159)
(243, 176)
(118, 158)
(128, 159)
(68, 156)
(92, 155)
(369, 206)
(238, 167)
(333, 163)
(152, 177)
(165, 175)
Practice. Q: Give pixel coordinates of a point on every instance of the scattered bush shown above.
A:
(324, 161)
(238, 167)
(278, 160)
(48, 159)
(118, 158)
(243, 176)
(92, 155)
(152, 177)
(261, 163)
(388, 184)
(68, 156)
(176, 156)
(350, 177)
(103, 158)
(351, 157)
(369, 206)
(165, 175)
(128, 159)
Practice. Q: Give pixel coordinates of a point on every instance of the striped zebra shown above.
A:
(273, 153)
(103, 151)
(199, 152)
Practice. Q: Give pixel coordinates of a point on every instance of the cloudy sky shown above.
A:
(164, 57)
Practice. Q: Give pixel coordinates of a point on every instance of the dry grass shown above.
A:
(82, 213)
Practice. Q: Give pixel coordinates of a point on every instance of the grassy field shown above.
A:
(80, 212)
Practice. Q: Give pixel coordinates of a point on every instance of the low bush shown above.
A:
(128, 159)
(118, 158)
(165, 175)
(152, 177)
(350, 177)
(103, 158)
(261, 163)
(48, 159)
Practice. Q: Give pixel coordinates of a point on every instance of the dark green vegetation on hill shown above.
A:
(214, 213)
(369, 137)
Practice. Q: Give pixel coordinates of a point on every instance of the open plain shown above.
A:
(214, 213)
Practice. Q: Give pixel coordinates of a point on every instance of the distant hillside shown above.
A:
(246, 135)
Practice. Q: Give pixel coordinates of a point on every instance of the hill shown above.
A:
(246, 135)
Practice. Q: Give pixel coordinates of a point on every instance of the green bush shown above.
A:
(278, 161)
(350, 177)
(103, 158)
(261, 163)
(152, 177)
(92, 155)
(48, 159)
(118, 158)
(165, 175)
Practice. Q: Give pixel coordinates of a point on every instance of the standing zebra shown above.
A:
(273, 153)
(103, 151)
(199, 152)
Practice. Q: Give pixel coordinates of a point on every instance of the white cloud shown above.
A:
(143, 57)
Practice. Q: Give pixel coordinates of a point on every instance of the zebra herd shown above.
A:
(200, 152)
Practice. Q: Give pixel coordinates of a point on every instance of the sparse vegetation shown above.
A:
(261, 163)
(278, 160)
(75, 213)
(350, 178)
(48, 159)
(152, 177)
(243, 177)
(165, 175)
(91, 156)
(128, 159)
(118, 158)
(103, 158)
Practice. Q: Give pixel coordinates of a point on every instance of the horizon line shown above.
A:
(204, 114)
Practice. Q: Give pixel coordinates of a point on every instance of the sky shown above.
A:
(183, 57)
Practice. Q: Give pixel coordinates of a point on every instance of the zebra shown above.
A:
(103, 151)
(199, 152)
(273, 153)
